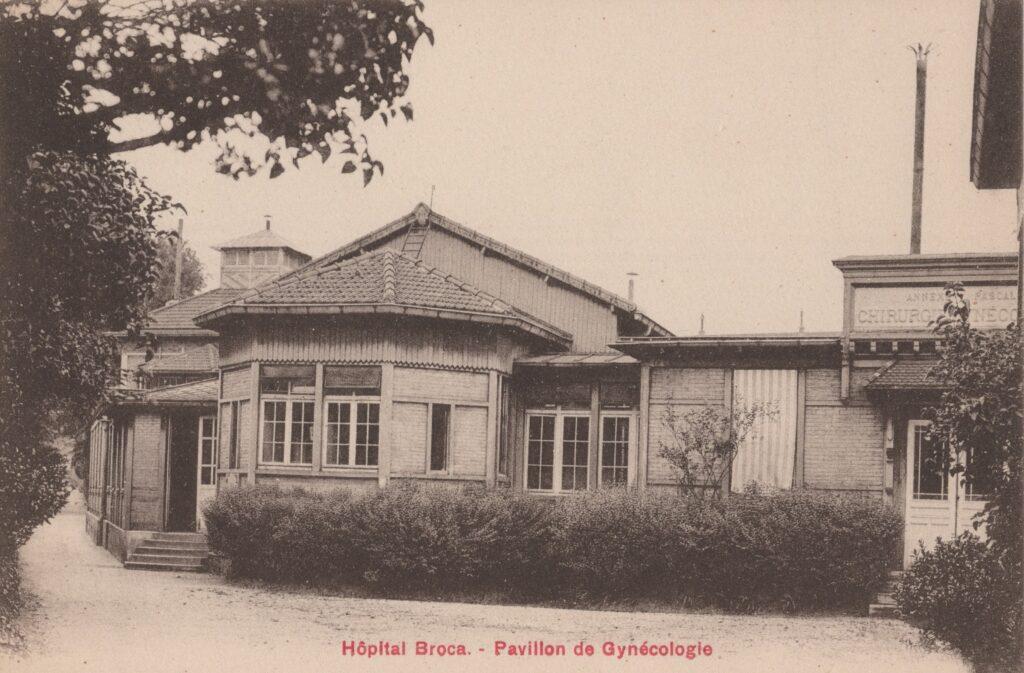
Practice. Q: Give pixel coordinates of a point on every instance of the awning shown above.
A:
(576, 359)
(904, 374)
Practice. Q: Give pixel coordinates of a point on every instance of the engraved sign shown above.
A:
(898, 309)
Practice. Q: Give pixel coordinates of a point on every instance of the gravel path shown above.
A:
(90, 614)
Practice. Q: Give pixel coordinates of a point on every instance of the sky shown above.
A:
(725, 151)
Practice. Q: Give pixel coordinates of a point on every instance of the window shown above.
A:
(930, 480)
(440, 434)
(540, 453)
(615, 441)
(352, 436)
(233, 439)
(557, 451)
(207, 450)
(287, 414)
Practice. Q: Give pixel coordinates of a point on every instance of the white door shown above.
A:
(206, 480)
(939, 505)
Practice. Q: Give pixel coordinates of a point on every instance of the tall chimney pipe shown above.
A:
(632, 289)
(915, 217)
(177, 258)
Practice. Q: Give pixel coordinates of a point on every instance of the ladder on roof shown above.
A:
(414, 237)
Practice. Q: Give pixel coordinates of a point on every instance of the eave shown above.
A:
(551, 334)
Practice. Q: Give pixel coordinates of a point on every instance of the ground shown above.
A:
(90, 614)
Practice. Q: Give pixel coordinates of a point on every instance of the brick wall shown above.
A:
(235, 384)
(843, 443)
(681, 390)
(440, 385)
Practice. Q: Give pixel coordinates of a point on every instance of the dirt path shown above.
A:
(93, 615)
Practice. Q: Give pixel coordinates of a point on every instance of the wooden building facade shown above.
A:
(428, 352)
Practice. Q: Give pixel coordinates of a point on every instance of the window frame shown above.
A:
(558, 450)
(353, 402)
(630, 446)
(289, 400)
(213, 440)
(449, 437)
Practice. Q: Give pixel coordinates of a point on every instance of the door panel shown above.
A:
(206, 474)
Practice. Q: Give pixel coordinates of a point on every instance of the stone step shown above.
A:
(885, 599)
(150, 565)
(146, 549)
(177, 544)
(895, 574)
(170, 559)
(882, 610)
(185, 537)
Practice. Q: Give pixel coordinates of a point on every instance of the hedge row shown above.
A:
(790, 550)
(10, 599)
(962, 592)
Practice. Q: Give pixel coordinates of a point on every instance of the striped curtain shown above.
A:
(767, 453)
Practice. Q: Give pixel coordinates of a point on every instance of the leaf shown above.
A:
(276, 170)
(367, 176)
(407, 111)
(349, 167)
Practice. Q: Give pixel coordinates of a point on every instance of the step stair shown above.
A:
(884, 604)
(170, 551)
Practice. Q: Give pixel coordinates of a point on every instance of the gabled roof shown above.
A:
(903, 374)
(424, 214)
(201, 359)
(178, 316)
(383, 281)
(264, 238)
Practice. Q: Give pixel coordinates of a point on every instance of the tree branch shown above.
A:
(137, 143)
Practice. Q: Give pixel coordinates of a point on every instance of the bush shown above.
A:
(795, 550)
(961, 593)
(10, 599)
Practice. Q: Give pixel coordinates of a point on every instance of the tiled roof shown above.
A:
(381, 280)
(202, 359)
(519, 257)
(904, 374)
(179, 315)
(264, 238)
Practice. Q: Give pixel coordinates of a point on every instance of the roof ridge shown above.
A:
(146, 391)
(389, 293)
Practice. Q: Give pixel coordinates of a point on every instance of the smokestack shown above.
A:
(632, 288)
(177, 258)
(268, 221)
(922, 78)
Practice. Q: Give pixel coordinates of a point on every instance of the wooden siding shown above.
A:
(437, 385)
(235, 384)
(442, 344)
(147, 473)
(409, 448)
(469, 443)
(593, 324)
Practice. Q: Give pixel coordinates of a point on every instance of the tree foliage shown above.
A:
(980, 415)
(79, 252)
(703, 443)
(271, 81)
(192, 273)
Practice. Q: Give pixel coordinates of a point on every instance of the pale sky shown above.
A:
(726, 151)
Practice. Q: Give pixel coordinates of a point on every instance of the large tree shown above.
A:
(271, 81)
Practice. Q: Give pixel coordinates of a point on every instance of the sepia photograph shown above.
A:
(466, 335)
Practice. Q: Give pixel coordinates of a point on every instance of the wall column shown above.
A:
(318, 417)
(387, 395)
(493, 416)
(594, 444)
(254, 420)
(643, 428)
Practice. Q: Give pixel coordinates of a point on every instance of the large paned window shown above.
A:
(615, 443)
(351, 416)
(930, 478)
(504, 419)
(557, 451)
(286, 415)
(207, 450)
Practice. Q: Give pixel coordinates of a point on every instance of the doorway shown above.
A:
(182, 465)
(939, 504)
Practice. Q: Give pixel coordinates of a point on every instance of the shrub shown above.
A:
(801, 549)
(959, 592)
(792, 549)
(10, 599)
